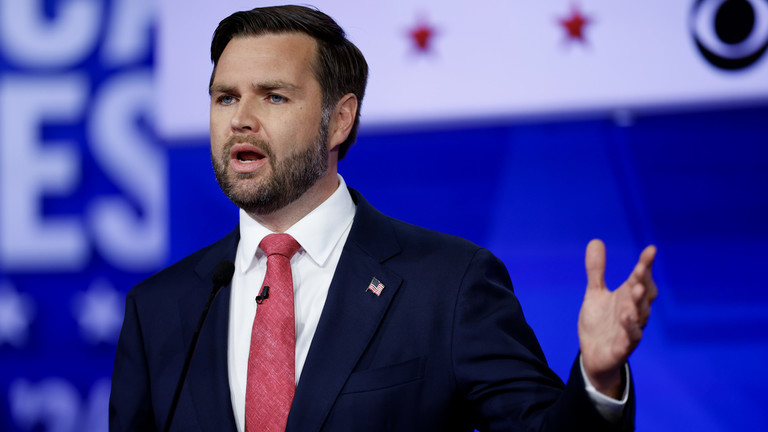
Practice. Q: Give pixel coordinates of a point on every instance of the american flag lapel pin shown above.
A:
(375, 286)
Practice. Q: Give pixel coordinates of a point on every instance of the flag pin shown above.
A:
(375, 286)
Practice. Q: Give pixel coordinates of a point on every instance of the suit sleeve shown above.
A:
(500, 367)
(130, 401)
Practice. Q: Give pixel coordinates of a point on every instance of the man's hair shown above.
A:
(339, 66)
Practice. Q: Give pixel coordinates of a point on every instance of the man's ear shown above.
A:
(342, 120)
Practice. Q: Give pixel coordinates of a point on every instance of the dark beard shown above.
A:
(290, 177)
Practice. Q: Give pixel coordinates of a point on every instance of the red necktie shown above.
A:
(271, 362)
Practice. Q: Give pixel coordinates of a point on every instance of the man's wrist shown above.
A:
(610, 384)
(610, 408)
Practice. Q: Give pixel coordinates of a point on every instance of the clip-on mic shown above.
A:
(263, 296)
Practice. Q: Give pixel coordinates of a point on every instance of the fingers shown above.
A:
(648, 254)
(647, 257)
(595, 264)
(634, 329)
(642, 276)
(641, 290)
(642, 305)
(642, 271)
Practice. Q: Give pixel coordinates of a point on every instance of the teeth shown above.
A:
(240, 158)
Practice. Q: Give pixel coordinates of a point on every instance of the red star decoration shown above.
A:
(422, 35)
(574, 25)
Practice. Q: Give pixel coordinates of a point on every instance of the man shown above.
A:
(390, 327)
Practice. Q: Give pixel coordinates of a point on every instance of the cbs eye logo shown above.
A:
(731, 34)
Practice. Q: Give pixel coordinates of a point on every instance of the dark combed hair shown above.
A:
(339, 67)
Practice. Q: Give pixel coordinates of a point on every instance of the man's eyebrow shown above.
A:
(259, 86)
(276, 85)
(220, 88)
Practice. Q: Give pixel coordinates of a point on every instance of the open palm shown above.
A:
(611, 322)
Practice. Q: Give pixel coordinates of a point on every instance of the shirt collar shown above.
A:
(318, 232)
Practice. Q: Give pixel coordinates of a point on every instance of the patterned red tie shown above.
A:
(271, 362)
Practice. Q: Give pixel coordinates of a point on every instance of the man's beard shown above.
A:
(290, 177)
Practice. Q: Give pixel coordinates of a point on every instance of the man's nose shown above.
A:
(246, 116)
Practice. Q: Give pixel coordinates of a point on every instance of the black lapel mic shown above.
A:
(263, 296)
(222, 276)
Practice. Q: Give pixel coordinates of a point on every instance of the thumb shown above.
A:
(595, 263)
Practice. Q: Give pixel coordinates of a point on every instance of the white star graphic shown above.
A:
(99, 312)
(16, 312)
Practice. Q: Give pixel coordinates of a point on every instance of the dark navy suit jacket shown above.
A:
(444, 347)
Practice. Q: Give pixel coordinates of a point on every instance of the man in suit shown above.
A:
(394, 327)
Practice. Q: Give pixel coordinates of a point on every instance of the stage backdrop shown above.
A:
(527, 127)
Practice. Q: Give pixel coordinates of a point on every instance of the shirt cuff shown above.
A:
(611, 409)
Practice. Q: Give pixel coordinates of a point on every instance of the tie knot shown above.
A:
(279, 244)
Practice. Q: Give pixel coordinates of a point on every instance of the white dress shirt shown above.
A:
(322, 235)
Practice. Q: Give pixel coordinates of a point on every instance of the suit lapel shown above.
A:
(349, 319)
(208, 381)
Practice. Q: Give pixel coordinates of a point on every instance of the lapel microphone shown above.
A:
(263, 296)
(222, 276)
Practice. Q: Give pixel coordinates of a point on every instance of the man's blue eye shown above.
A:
(226, 100)
(276, 99)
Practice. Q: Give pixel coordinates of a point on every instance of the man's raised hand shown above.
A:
(611, 322)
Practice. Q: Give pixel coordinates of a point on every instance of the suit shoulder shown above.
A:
(434, 248)
(385, 236)
(193, 267)
(409, 233)
(441, 261)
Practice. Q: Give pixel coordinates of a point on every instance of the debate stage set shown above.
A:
(526, 127)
